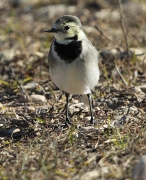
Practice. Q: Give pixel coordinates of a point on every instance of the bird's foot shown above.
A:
(68, 122)
(92, 122)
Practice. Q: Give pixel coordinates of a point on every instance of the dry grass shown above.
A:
(34, 142)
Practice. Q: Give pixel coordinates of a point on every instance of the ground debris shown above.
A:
(34, 141)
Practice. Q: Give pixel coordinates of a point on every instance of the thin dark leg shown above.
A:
(67, 117)
(91, 110)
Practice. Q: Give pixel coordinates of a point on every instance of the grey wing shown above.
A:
(89, 52)
(51, 59)
(90, 57)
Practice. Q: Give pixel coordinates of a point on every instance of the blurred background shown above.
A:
(116, 28)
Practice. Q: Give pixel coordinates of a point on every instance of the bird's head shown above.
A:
(66, 29)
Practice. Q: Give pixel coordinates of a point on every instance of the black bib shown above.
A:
(68, 52)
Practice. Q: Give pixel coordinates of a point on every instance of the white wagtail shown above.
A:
(73, 60)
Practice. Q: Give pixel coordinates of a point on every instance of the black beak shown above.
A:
(52, 30)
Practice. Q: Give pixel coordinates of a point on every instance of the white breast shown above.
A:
(78, 77)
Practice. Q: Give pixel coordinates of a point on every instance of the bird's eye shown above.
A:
(66, 27)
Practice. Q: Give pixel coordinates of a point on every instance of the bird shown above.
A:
(73, 61)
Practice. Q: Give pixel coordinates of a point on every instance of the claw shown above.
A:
(68, 122)
(92, 122)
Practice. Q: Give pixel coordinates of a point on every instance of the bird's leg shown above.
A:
(67, 117)
(91, 110)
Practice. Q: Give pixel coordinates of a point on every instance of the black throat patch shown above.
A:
(68, 52)
(75, 38)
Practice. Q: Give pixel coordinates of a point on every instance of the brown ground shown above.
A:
(33, 142)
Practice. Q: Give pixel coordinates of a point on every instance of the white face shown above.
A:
(66, 31)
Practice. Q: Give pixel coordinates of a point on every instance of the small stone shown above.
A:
(90, 175)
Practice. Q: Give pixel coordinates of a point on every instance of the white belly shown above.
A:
(75, 77)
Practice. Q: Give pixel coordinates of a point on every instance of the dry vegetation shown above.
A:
(33, 141)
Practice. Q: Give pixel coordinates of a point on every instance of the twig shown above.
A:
(102, 33)
(123, 26)
(14, 76)
(117, 69)
(28, 120)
